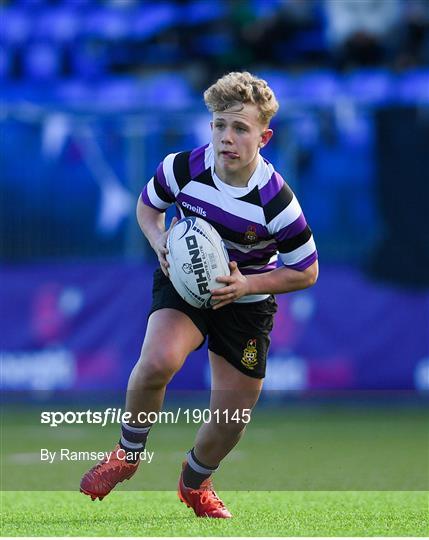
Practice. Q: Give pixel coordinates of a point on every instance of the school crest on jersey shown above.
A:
(250, 236)
(250, 355)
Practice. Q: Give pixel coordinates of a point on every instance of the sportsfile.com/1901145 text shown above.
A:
(116, 416)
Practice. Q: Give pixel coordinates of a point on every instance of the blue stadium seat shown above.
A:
(317, 87)
(41, 60)
(15, 26)
(153, 19)
(111, 94)
(413, 87)
(121, 93)
(279, 81)
(166, 90)
(107, 23)
(27, 92)
(73, 93)
(58, 24)
(161, 91)
(202, 11)
(369, 87)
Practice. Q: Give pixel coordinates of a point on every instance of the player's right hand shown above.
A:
(161, 248)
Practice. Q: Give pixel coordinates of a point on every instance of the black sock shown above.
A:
(133, 441)
(196, 472)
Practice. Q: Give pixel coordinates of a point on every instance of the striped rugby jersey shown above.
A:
(259, 224)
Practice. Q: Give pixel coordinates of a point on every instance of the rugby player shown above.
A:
(229, 184)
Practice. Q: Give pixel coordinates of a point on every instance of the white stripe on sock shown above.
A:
(131, 445)
(197, 468)
(133, 429)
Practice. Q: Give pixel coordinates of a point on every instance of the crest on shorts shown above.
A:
(250, 236)
(250, 355)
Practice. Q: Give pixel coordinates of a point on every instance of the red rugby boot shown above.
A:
(103, 477)
(204, 500)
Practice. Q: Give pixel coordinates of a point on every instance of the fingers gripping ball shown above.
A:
(197, 256)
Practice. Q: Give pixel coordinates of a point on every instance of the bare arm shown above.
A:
(152, 223)
(281, 280)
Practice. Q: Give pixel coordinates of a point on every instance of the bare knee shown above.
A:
(155, 368)
(229, 430)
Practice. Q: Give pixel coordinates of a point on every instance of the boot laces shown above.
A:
(107, 466)
(207, 494)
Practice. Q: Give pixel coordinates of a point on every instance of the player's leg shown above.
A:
(233, 396)
(238, 345)
(171, 336)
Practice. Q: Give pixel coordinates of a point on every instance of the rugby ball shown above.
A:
(197, 256)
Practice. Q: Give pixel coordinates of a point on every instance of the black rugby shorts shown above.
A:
(238, 332)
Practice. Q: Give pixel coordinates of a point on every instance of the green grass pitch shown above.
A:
(323, 470)
(261, 513)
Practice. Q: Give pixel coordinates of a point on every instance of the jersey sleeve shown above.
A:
(286, 222)
(160, 192)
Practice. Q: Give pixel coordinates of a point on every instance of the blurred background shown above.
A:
(95, 93)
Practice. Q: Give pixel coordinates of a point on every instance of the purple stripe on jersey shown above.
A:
(196, 161)
(305, 263)
(216, 214)
(162, 180)
(292, 229)
(271, 188)
(239, 256)
(146, 200)
(267, 268)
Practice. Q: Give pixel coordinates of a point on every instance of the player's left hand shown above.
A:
(236, 286)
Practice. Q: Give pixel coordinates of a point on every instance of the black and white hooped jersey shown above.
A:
(260, 223)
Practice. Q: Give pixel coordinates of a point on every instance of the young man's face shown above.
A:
(237, 136)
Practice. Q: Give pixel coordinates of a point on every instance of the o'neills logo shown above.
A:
(197, 264)
(196, 209)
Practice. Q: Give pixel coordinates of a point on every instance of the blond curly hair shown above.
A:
(239, 88)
